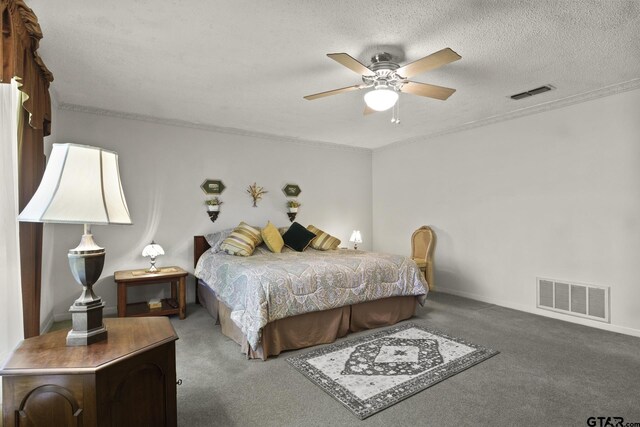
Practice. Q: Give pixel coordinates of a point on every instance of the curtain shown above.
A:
(10, 295)
(21, 35)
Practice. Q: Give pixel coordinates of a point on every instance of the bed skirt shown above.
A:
(309, 329)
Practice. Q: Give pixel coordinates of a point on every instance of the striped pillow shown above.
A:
(323, 240)
(242, 241)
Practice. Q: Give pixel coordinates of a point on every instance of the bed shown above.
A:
(270, 302)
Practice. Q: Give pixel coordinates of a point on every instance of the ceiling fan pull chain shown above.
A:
(395, 115)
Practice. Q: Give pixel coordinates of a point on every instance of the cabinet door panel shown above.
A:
(49, 405)
(139, 391)
(139, 399)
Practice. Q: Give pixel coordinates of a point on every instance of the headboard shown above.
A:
(200, 246)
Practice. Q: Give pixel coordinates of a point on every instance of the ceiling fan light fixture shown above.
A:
(381, 98)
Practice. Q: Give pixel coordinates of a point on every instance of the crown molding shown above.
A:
(534, 109)
(210, 128)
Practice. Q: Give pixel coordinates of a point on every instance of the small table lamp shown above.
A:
(355, 238)
(81, 185)
(152, 250)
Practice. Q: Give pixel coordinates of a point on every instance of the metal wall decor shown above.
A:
(212, 186)
(256, 192)
(291, 190)
(213, 215)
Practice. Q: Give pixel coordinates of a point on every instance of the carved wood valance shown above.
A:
(21, 36)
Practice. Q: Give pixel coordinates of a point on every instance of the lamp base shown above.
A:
(87, 324)
(86, 262)
(153, 268)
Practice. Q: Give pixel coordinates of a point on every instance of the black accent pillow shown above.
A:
(297, 237)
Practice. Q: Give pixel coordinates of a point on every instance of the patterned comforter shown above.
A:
(268, 286)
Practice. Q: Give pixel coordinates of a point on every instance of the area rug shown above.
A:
(371, 373)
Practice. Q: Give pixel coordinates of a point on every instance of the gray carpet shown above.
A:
(548, 372)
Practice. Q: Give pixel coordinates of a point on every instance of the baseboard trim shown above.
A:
(108, 311)
(46, 325)
(534, 310)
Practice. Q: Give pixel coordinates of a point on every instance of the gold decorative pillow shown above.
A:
(272, 238)
(323, 241)
(242, 241)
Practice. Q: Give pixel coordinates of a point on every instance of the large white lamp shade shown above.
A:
(81, 185)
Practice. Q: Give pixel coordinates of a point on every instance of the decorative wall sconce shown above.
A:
(212, 186)
(213, 208)
(256, 192)
(291, 190)
(292, 206)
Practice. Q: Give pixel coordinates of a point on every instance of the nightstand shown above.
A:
(127, 380)
(177, 304)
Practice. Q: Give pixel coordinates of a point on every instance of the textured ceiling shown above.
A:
(247, 64)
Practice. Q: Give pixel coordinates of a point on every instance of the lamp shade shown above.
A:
(356, 237)
(381, 98)
(81, 185)
(152, 250)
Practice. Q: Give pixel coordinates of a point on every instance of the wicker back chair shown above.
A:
(423, 242)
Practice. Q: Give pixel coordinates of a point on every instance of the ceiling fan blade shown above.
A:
(332, 92)
(430, 91)
(435, 60)
(351, 63)
(368, 110)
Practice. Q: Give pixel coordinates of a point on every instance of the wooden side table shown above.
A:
(177, 304)
(127, 380)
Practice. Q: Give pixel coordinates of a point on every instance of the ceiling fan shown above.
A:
(387, 78)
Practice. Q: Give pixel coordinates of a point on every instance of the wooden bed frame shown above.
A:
(200, 246)
(298, 331)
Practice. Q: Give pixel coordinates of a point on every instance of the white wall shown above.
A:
(556, 194)
(162, 168)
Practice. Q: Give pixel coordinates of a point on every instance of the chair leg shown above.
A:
(429, 276)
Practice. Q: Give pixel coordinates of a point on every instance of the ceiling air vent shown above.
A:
(536, 91)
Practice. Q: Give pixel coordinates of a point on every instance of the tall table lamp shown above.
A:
(81, 185)
(356, 238)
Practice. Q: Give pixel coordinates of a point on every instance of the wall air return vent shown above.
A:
(575, 299)
(532, 92)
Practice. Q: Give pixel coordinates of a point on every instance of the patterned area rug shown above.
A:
(373, 372)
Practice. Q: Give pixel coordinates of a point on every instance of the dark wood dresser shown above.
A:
(127, 380)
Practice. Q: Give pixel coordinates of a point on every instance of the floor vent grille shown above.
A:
(575, 299)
